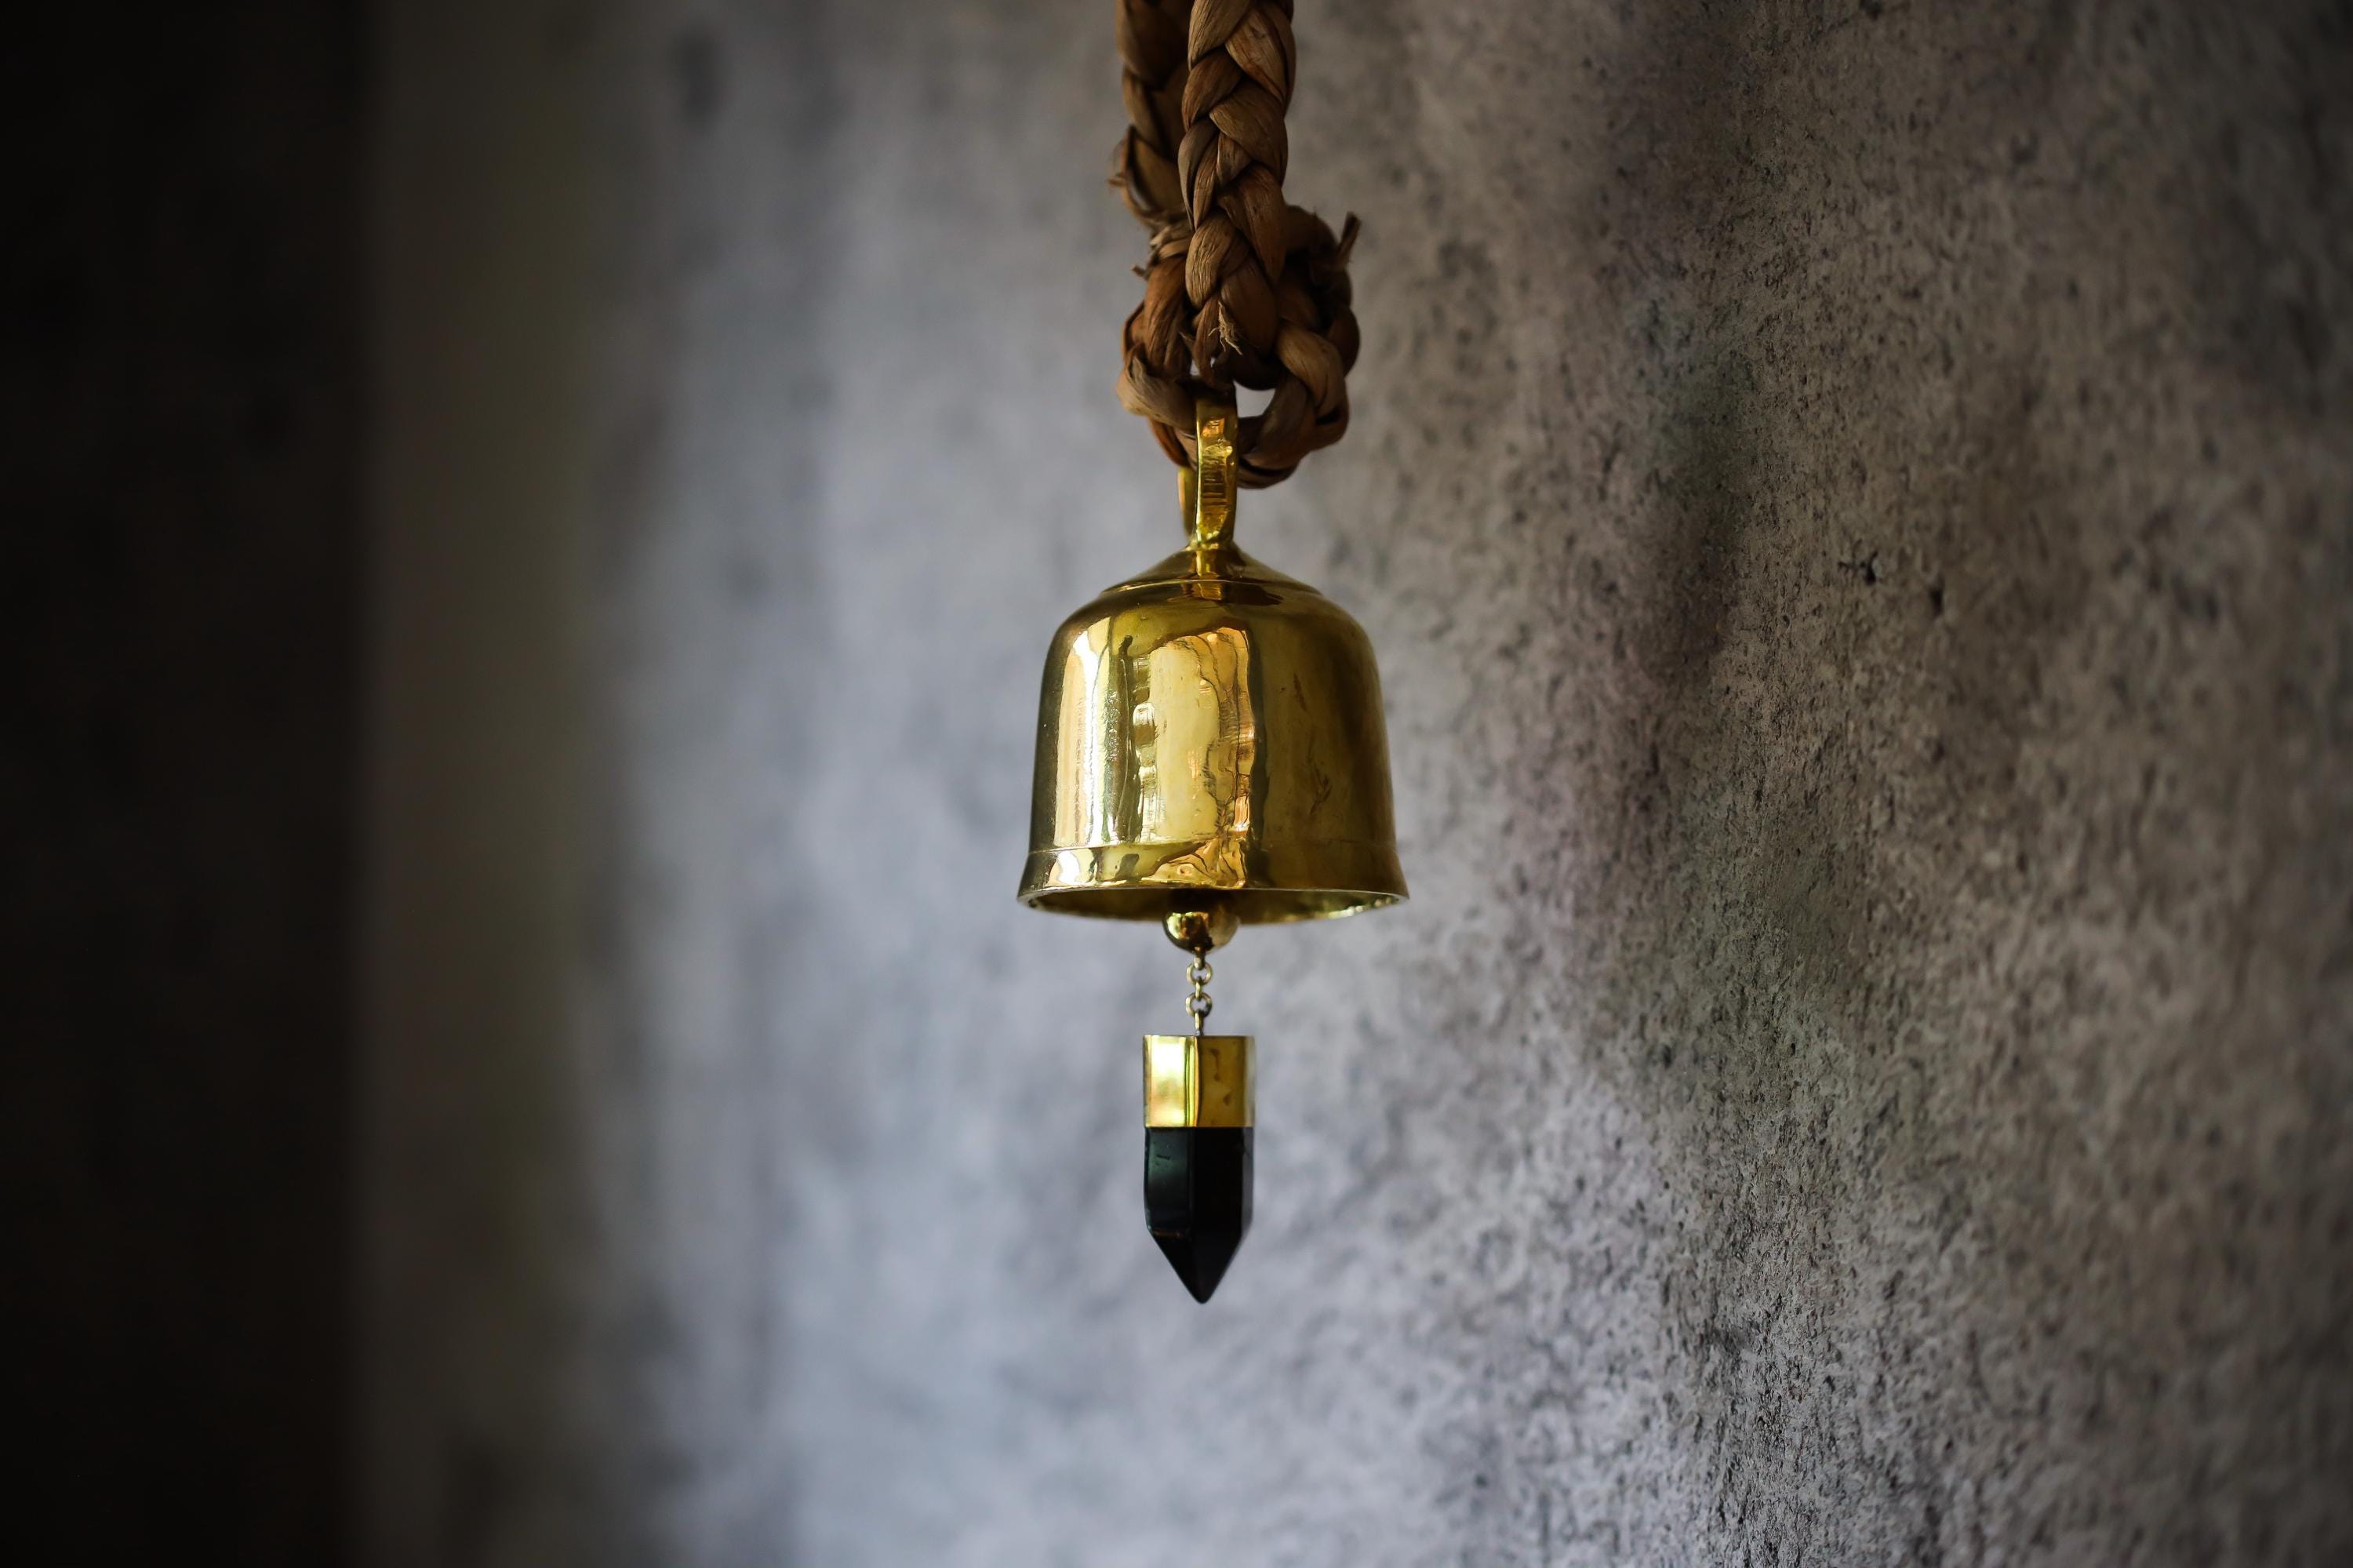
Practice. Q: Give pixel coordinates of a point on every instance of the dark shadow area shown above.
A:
(179, 415)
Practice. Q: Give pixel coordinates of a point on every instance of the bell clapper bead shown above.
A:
(1202, 931)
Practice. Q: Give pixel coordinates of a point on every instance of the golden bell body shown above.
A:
(1210, 736)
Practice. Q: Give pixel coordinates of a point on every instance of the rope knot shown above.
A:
(1240, 289)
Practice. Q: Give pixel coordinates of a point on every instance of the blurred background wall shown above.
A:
(530, 580)
(1852, 502)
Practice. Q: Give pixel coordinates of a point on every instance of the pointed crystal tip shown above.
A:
(1197, 1199)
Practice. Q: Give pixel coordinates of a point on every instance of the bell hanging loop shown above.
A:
(1211, 489)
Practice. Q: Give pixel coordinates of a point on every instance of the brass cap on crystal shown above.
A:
(1200, 1080)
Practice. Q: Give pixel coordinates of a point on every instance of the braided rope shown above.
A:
(1240, 289)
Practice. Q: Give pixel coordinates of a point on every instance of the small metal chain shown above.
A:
(1199, 1003)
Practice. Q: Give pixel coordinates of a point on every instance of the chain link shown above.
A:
(1199, 1003)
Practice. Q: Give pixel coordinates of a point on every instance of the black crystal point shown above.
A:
(1197, 1199)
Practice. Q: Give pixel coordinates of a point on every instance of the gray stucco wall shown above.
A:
(1855, 505)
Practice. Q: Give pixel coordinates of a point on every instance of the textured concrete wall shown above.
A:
(1855, 504)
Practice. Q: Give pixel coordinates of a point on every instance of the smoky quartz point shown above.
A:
(1197, 1199)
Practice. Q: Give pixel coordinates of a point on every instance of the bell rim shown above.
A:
(1321, 881)
(1153, 903)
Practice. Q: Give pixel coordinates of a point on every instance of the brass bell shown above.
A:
(1210, 755)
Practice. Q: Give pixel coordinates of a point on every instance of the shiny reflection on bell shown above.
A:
(1211, 729)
